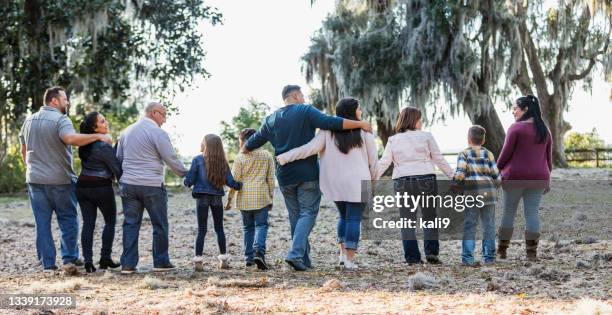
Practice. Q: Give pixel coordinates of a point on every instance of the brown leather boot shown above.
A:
(505, 234)
(531, 245)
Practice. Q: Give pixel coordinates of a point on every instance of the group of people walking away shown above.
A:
(344, 142)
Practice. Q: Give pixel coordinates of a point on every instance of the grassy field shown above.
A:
(573, 275)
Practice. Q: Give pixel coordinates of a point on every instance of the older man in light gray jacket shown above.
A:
(143, 149)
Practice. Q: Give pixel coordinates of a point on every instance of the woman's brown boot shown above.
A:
(531, 245)
(505, 234)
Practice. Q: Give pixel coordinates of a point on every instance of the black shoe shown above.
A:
(433, 259)
(108, 263)
(165, 267)
(414, 263)
(250, 264)
(51, 269)
(128, 270)
(260, 260)
(296, 265)
(78, 262)
(89, 267)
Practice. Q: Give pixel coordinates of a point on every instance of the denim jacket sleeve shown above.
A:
(231, 182)
(108, 155)
(191, 174)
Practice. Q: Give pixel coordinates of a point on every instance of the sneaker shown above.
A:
(414, 263)
(128, 270)
(341, 259)
(223, 261)
(78, 262)
(51, 269)
(296, 265)
(108, 263)
(165, 267)
(351, 266)
(89, 267)
(433, 259)
(198, 263)
(260, 260)
(249, 264)
(489, 263)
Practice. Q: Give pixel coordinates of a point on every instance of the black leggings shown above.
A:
(203, 202)
(90, 199)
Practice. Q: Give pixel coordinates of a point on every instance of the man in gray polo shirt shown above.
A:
(143, 149)
(45, 139)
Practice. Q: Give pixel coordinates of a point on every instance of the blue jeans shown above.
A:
(531, 207)
(424, 185)
(349, 223)
(62, 199)
(135, 199)
(470, 222)
(302, 201)
(255, 229)
(215, 203)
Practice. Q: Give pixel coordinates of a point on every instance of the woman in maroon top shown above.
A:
(525, 164)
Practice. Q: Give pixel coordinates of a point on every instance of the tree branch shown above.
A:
(584, 73)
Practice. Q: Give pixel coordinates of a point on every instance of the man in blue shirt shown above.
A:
(290, 127)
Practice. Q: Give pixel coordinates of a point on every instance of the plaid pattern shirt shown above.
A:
(477, 173)
(256, 172)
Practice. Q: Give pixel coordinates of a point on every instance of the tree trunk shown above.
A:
(385, 130)
(488, 118)
(552, 113)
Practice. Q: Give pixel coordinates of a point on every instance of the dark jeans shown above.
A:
(90, 200)
(45, 199)
(349, 223)
(302, 201)
(215, 203)
(424, 185)
(255, 228)
(135, 199)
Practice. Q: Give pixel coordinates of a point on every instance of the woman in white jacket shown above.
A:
(414, 154)
(353, 150)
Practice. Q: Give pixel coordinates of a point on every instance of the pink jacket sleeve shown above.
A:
(316, 145)
(438, 158)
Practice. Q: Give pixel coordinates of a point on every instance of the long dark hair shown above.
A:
(87, 126)
(215, 160)
(533, 111)
(347, 139)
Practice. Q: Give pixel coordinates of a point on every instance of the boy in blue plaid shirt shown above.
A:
(478, 175)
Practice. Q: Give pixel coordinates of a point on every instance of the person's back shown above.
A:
(141, 160)
(290, 127)
(523, 158)
(49, 159)
(256, 172)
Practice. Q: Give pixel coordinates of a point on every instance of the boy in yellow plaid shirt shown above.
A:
(256, 172)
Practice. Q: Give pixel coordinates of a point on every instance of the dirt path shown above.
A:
(573, 274)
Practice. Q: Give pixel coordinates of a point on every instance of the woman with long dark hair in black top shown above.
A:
(95, 191)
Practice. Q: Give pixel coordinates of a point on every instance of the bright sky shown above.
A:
(257, 51)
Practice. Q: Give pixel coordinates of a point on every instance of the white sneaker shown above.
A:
(198, 263)
(341, 259)
(224, 261)
(349, 265)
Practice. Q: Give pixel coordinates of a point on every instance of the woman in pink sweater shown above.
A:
(415, 154)
(353, 150)
(525, 163)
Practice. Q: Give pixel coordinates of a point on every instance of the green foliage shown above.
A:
(12, 172)
(583, 141)
(249, 116)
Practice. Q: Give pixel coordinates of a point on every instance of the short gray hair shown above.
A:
(152, 106)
